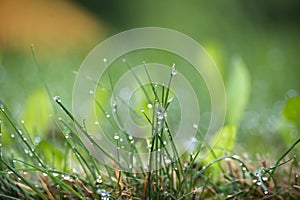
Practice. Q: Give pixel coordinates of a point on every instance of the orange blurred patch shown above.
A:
(49, 24)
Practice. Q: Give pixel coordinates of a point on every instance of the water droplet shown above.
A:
(264, 178)
(55, 174)
(130, 137)
(123, 60)
(244, 168)
(164, 142)
(132, 141)
(67, 178)
(24, 172)
(96, 122)
(142, 110)
(149, 105)
(91, 92)
(107, 115)
(194, 139)
(116, 137)
(9, 172)
(37, 140)
(236, 157)
(57, 99)
(44, 174)
(266, 192)
(2, 107)
(195, 126)
(14, 160)
(174, 70)
(121, 139)
(26, 151)
(258, 182)
(22, 122)
(104, 60)
(227, 159)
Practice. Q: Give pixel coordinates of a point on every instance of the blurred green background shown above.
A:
(254, 43)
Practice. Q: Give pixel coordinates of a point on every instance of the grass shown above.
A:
(28, 173)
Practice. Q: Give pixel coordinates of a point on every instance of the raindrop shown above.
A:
(194, 139)
(244, 168)
(174, 70)
(37, 140)
(266, 192)
(164, 142)
(57, 99)
(116, 137)
(227, 159)
(24, 172)
(44, 174)
(130, 137)
(14, 160)
(22, 122)
(96, 122)
(142, 110)
(2, 107)
(107, 115)
(195, 126)
(91, 92)
(67, 178)
(55, 174)
(258, 182)
(236, 157)
(149, 105)
(264, 178)
(26, 151)
(104, 60)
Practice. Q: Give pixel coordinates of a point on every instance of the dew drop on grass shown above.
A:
(91, 92)
(258, 182)
(194, 139)
(174, 70)
(44, 174)
(14, 160)
(266, 192)
(96, 122)
(142, 110)
(130, 137)
(104, 60)
(149, 105)
(244, 168)
(2, 107)
(227, 159)
(55, 174)
(107, 115)
(57, 99)
(195, 126)
(22, 122)
(37, 140)
(116, 137)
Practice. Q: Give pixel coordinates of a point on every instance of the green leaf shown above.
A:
(291, 110)
(221, 144)
(36, 112)
(238, 90)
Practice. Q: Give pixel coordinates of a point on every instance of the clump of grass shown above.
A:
(26, 173)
